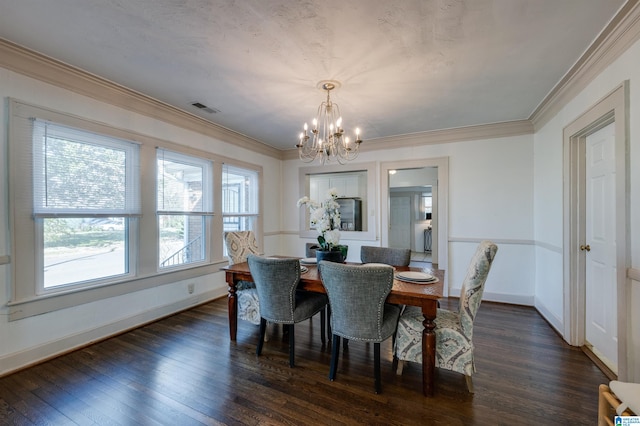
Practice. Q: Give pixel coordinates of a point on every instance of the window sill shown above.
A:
(39, 305)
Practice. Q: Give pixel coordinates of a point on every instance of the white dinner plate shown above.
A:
(415, 277)
(309, 261)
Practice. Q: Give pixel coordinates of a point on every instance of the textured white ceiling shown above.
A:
(405, 66)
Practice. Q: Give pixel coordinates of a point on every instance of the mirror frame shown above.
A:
(372, 217)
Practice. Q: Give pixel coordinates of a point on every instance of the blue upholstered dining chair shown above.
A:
(454, 329)
(280, 302)
(357, 295)
(240, 244)
(387, 255)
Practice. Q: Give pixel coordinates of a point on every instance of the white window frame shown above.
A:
(253, 213)
(128, 212)
(206, 212)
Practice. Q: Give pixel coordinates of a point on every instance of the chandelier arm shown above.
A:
(327, 141)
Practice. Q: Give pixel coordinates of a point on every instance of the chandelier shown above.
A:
(325, 140)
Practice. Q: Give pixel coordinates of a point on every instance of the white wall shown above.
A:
(490, 197)
(548, 197)
(28, 340)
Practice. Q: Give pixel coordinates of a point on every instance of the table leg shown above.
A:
(428, 350)
(233, 308)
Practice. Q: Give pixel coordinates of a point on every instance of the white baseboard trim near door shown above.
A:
(511, 299)
(556, 323)
(26, 358)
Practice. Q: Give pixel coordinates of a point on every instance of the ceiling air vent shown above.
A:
(205, 108)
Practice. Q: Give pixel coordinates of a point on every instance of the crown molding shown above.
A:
(35, 65)
(617, 37)
(459, 134)
(613, 41)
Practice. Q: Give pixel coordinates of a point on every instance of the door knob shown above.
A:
(587, 247)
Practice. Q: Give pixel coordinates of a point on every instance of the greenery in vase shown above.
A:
(325, 218)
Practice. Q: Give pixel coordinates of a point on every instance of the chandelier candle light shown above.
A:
(325, 140)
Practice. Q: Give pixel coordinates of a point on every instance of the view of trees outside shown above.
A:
(83, 249)
(73, 175)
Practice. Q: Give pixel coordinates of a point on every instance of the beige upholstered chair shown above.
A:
(240, 244)
(387, 255)
(454, 330)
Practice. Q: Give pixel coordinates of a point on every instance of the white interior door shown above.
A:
(600, 275)
(400, 222)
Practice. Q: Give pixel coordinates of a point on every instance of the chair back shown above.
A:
(310, 249)
(357, 295)
(240, 244)
(387, 255)
(473, 285)
(276, 281)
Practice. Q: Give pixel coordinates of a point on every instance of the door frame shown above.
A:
(613, 108)
(442, 163)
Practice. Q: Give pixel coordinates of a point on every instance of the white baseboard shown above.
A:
(19, 360)
(500, 297)
(556, 323)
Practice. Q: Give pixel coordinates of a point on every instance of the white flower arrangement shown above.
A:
(325, 218)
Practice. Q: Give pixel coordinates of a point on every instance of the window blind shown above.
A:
(184, 184)
(81, 173)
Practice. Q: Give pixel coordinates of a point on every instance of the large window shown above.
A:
(98, 211)
(239, 198)
(184, 203)
(85, 189)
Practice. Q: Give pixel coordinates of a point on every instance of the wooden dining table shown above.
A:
(403, 293)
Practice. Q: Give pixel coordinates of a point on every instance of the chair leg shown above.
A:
(376, 366)
(323, 314)
(400, 367)
(329, 333)
(292, 346)
(469, 383)
(345, 344)
(335, 353)
(263, 328)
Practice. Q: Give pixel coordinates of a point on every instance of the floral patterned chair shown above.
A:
(240, 244)
(454, 330)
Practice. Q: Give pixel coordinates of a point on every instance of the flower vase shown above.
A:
(331, 256)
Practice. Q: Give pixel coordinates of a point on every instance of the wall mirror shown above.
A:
(356, 189)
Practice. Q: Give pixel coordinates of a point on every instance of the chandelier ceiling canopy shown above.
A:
(326, 140)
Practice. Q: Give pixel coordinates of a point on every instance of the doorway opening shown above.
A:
(413, 208)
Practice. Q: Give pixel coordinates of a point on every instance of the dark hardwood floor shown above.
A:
(183, 370)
